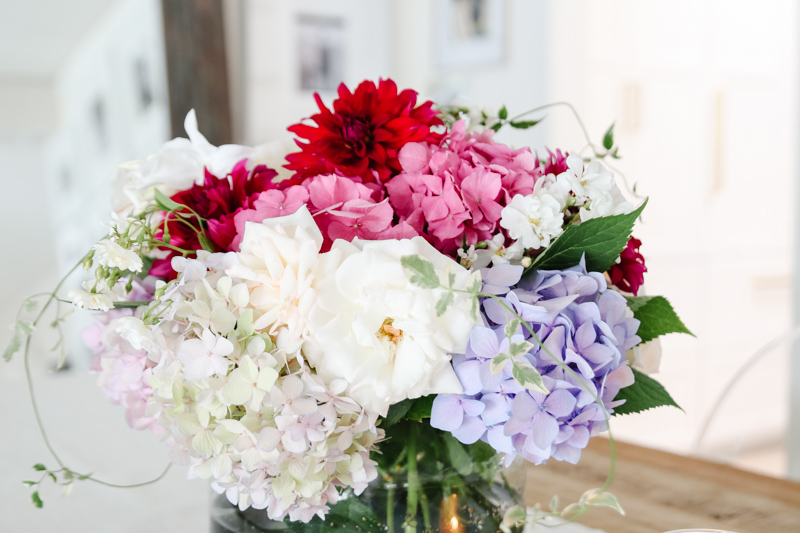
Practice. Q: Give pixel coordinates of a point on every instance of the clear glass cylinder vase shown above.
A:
(446, 487)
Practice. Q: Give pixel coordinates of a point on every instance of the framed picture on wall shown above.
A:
(470, 32)
(320, 49)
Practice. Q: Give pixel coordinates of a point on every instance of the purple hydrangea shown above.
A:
(582, 324)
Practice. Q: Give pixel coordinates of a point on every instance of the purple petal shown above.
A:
(560, 403)
(472, 407)
(580, 438)
(515, 426)
(499, 441)
(446, 413)
(483, 342)
(565, 452)
(543, 430)
(524, 406)
(470, 431)
(497, 411)
(469, 375)
(585, 336)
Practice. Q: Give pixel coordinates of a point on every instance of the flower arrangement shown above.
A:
(411, 283)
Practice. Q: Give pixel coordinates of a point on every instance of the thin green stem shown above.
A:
(390, 508)
(410, 524)
(426, 511)
(32, 393)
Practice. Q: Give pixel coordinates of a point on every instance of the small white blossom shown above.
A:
(111, 254)
(534, 221)
(97, 299)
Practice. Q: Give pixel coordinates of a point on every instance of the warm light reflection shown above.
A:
(454, 524)
(449, 521)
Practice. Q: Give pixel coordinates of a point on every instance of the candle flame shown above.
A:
(454, 524)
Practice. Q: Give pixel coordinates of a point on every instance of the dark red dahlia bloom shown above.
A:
(364, 133)
(628, 273)
(217, 200)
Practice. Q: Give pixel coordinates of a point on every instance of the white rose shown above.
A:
(375, 329)
(278, 262)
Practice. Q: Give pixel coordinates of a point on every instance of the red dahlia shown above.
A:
(628, 274)
(364, 133)
(217, 200)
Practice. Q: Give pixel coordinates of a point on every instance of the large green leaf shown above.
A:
(657, 317)
(645, 393)
(601, 240)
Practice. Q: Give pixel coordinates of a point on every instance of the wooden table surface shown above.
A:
(661, 492)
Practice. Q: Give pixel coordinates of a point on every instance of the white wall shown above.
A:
(704, 94)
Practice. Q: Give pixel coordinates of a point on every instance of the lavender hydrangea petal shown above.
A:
(470, 431)
(446, 412)
(585, 329)
(560, 403)
(469, 374)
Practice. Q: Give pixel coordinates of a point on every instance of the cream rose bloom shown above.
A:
(278, 262)
(370, 326)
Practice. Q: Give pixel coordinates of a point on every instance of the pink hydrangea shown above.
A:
(344, 208)
(454, 192)
(123, 371)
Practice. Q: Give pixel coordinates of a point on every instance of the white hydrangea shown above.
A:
(240, 410)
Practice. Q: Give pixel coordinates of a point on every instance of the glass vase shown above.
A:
(427, 482)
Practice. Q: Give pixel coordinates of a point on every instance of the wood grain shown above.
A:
(197, 73)
(661, 492)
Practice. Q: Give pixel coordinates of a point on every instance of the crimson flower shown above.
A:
(364, 133)
(217, 200)
(628, 273)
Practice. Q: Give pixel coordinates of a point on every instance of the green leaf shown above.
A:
(657, 317)
(645, 393)
(30, 483)
(554, 504)
(420, 408)
(30, 305)
(511, 327)
(396, 412)
(422, 271)
(205, 242)
(498, 363)
(356, 514)
(519, 348)
(459, 457)
(165, 203)
(496, 127)
(475, 282)
(39, 467)
(481, 451)
(526, 375)
(608, 138)
(524, 124)
(53, 477)
(130, 304)
(503, 113)
(13, 346)
(36, 500)
(444, 301)
(599, 240)
(600, 498)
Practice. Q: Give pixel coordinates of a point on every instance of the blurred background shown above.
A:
(703, 95)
